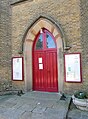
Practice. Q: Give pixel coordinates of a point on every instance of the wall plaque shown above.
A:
(72, 68)
(17, 69)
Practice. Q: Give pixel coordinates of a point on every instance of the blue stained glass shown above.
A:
(50, 41)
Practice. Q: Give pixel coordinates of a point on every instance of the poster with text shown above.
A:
(72, 68)
(17, 68)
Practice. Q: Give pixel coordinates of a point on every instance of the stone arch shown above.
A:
(28, 44)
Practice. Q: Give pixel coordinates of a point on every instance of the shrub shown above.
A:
(81, 95)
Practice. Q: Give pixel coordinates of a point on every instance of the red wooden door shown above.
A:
(45, 63)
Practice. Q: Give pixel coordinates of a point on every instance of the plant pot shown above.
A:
(81, 104)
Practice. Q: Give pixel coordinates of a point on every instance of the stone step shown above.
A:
(35, 105)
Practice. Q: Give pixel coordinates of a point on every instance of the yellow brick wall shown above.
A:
(16, 18)
(66, 13)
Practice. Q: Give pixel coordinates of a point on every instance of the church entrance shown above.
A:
(45, 76)
(43, 57)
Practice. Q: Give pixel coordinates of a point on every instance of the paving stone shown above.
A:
(84, 117)
(46, 103)
(2, 117)
(27, 107)
(75, 113)
(9, 104)
(13, 114)
(50, 112)
(26, 115)
(33, 105)
(39, 109)
(37, 116)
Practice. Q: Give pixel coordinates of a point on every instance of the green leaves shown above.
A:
(81, 95)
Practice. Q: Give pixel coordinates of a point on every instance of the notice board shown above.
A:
(17, 69)
(72, 67)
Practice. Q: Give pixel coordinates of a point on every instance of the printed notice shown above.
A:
(40, 66)
(17, 68)
(72, 67)
(40, 60)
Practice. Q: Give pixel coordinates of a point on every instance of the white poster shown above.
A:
(40, 66)
(40, 60)
(72, 67)
(17, 68)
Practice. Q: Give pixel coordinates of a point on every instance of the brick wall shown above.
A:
(5, 44)
(71, 15)
(84, 40)
(84, 48)
(66, 13)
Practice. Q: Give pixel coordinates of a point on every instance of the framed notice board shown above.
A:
(17, 69)
(72, 67)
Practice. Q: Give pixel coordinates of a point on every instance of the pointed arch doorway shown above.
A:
(45, 77)
(39, 56)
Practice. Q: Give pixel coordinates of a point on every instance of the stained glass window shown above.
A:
(39, 44)
(50, 42)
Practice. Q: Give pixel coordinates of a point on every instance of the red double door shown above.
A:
(45, 63)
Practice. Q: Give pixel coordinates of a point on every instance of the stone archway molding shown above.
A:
(27, 45)
(39, 23)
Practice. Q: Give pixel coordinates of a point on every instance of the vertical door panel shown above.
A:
(39, 83)
(51, 71)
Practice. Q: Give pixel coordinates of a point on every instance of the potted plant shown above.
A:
(80, 99)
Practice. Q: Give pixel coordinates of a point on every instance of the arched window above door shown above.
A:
(45, 40)
(50, 42)
(39, 44)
